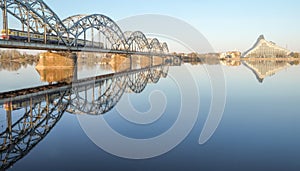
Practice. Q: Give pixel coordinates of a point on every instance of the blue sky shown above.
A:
(228, 25)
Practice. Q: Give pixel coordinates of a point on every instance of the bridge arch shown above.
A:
(138, 81)
(32, 127)
(99, 97)
(155, 74)
(165, 47)
(81, 23)
(70, 21)
(37, 17)
(137, 41)
(155, 46)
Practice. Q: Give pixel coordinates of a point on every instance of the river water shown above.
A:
(163, 116)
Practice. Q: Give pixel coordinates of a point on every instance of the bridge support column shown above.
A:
(75, 74)
(92, 37)
(84, 34)
(130, 58)
(100, 39)
(28, 24)
(5, 20)
(45, 34)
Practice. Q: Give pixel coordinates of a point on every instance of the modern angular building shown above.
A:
(266, 49)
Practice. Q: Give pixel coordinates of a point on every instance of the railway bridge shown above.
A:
(41, 28)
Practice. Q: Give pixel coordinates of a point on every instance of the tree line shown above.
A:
(14, 55)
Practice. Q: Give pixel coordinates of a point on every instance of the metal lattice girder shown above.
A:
(70, 21)
(30, 129)
(155, 74)
(100, 97)
(137, 82)
(155, 46)
(36, 15)
(165, 71)
(105, 95)
(140, 39)
(127, 34)
(165, 48)
(99, 22)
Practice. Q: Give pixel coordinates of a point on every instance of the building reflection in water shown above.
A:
(38, 109)
(266, 68)
(262, 68)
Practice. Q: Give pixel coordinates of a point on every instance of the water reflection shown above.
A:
(53, 67)
(102, 94)
(15, 65)
(32, 113)
(39, 114)
(13, 60)
(262, 68)
(267, 68)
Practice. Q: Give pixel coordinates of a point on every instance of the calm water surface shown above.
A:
(259, 128)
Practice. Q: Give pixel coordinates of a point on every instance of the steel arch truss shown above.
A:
(155, 46)
(37, 16)
(165, 48)
(137, 41)
(30, 129)
(99, 22)
(99, 97)
(165, 70)
(156, 74)
(137, 82)
(72, 20)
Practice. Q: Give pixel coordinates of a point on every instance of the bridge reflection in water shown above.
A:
(32, 113)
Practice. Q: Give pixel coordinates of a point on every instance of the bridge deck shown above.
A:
(52, 47)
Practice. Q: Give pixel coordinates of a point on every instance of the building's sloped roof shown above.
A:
(261, 40)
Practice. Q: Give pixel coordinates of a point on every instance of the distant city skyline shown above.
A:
(228, 25)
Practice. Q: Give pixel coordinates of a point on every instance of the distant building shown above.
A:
(266, 49)
(230, 55)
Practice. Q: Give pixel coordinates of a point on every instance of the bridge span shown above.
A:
(40, 28)
(63, 48)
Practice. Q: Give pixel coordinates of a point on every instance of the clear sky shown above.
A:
(228, 25)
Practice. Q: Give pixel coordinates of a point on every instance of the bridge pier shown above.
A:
(57, 67)
(131, 62)
(75, 73)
